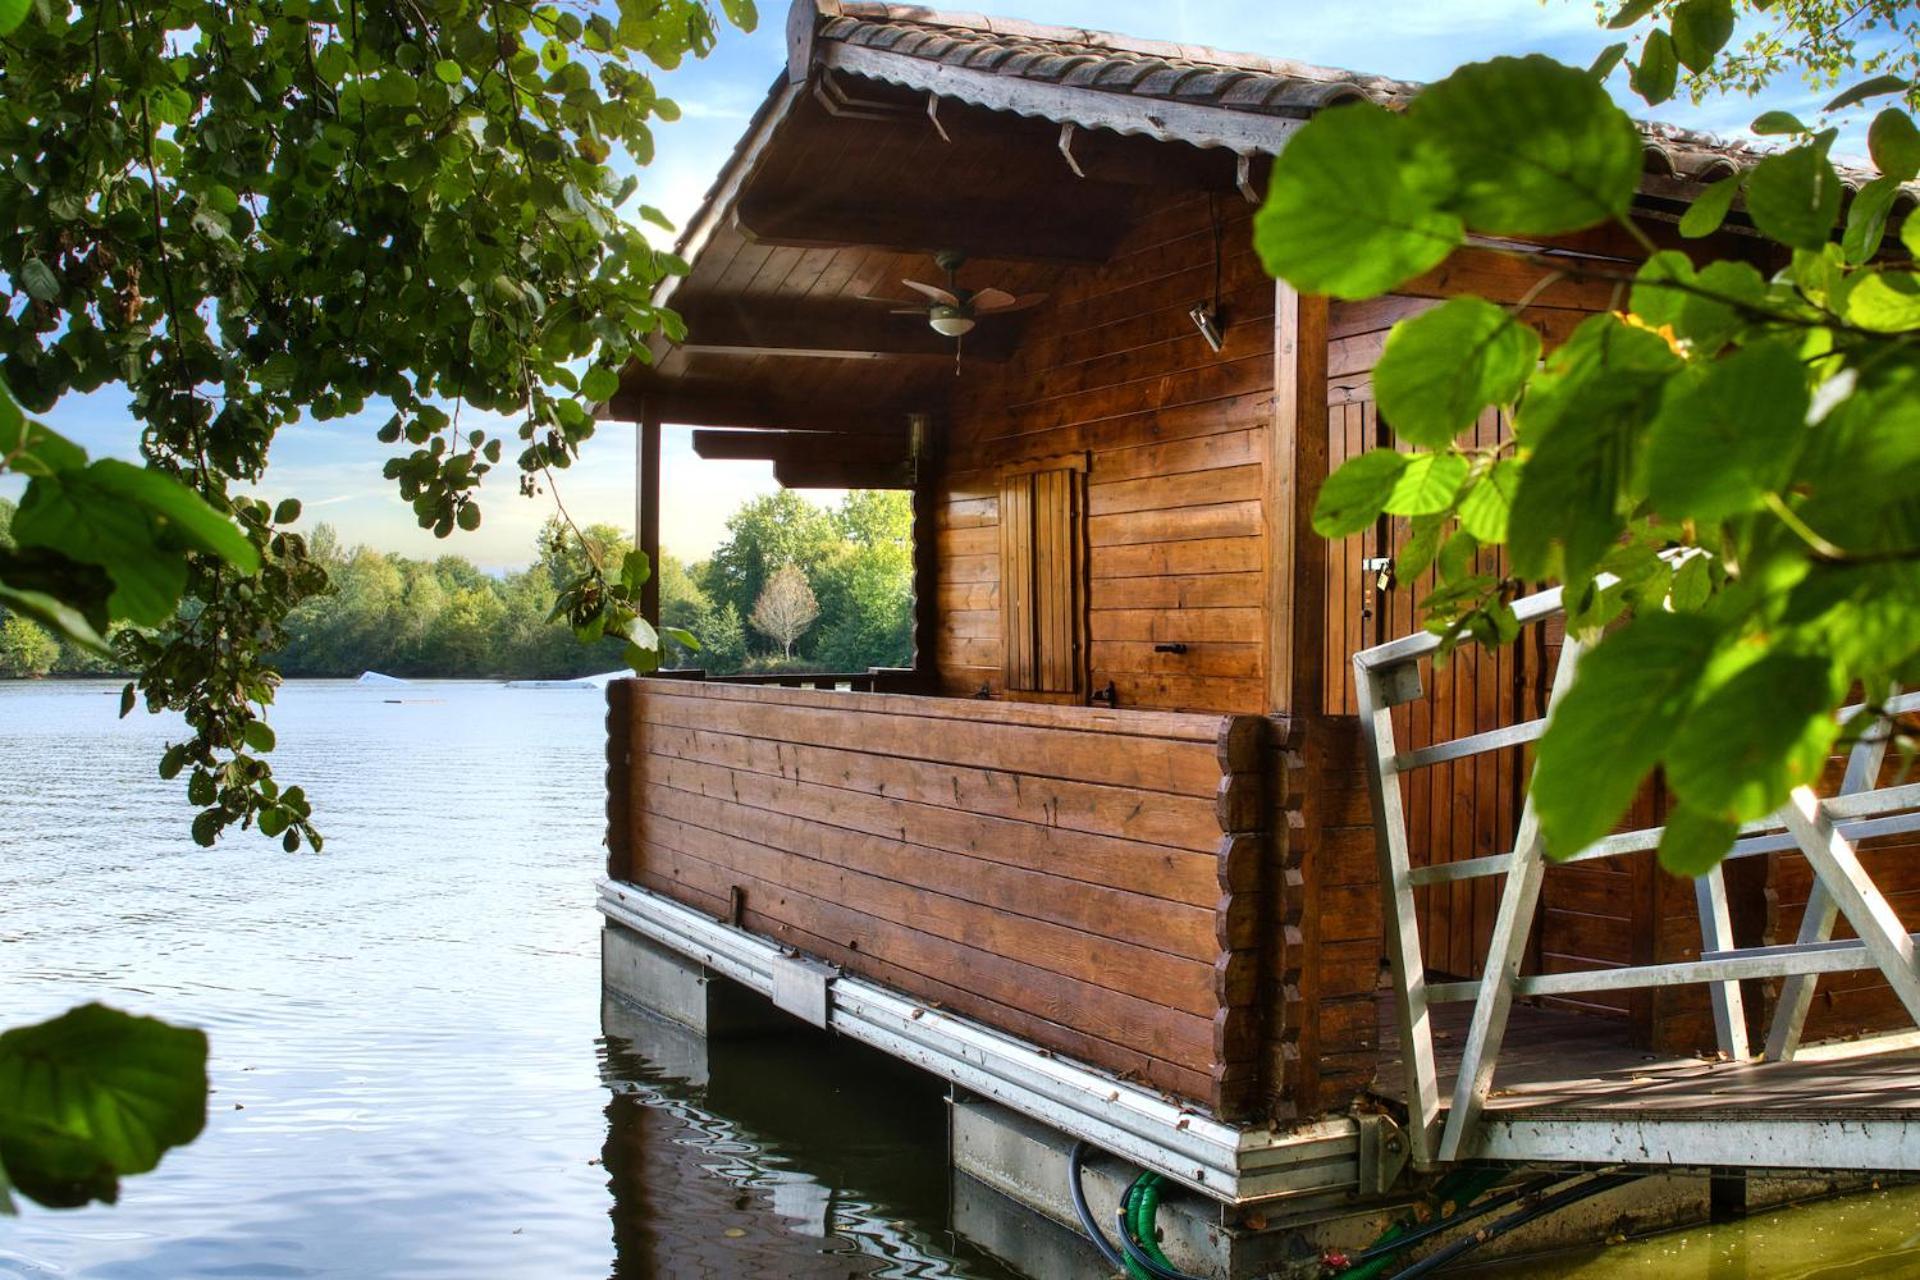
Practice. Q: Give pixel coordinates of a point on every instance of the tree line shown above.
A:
(447, 618)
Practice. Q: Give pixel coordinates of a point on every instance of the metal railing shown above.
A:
(1827, 831)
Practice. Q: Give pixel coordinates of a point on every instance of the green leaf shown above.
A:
(1704, 216)
(93, 1096)
(1772, 123)
(682, 637)
(1692, 585)
(1871, 88)
(1660, 286)
(1607, 60)
(1630, 12)
(39, 281)
(1700, 30)
(1609, 730)
(12, 14)
(287, 512)
(1441, 368)
(448, 71)
(600, 384)
(1722, 442)
(1583, 417)
(1428, 484)
(1755, 736)
(1355, 496)
(1352, 209)
(1485, 510)
(1885, 301)
(635, 569)
(641, 658)
(57, 616)
(468, 516)
(1535, 147)
(1794, 197)
(1658, 70)
(1694, 843)
(1894, 144)
(741, 13)
(1867, 219)
(258, 735)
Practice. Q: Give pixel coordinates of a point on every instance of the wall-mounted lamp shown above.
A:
(1205, 320)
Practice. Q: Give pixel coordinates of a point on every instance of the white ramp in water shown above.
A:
(582, 682)
(374, 677)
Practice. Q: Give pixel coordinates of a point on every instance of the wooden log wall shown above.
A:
(1111, 366)
(1095, 882)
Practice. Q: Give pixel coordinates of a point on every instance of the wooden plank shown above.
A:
(1016, 580)
(700, 795)
(647, 520)
(1181, 767)
(1296, 465)
(1148, 724)
(854, 938)
(1188, 489)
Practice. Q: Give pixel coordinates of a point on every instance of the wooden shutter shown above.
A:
(1040, 575)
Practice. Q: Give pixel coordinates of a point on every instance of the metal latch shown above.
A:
(1382, 569)
(800, 987)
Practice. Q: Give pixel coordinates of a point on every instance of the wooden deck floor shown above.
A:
(1568, 1089)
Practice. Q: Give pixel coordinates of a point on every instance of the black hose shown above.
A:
(1075, 1163)
(1405, 1241)
(1549, 1204)
(1143, 1259)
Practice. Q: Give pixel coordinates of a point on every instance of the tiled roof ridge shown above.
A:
(1082, 58)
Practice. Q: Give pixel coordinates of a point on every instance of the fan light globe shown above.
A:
(950, 321)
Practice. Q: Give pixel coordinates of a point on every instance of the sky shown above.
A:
(334, 467)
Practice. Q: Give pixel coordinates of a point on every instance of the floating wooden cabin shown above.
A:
(1106, 853)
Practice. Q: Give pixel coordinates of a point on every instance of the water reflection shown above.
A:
(795, 1135)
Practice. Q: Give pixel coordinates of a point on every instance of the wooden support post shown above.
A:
(1716, 934)
(1401, 916)
(647, 514)
(1836, 863)
(926, 551)
(1296, 467)
(1505, 951)
(1816, 924)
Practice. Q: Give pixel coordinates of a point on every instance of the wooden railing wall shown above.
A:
(1100, 883)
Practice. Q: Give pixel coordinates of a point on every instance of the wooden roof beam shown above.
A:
(687, 407)
(778, 445)
(1084, 231)
(766, 325)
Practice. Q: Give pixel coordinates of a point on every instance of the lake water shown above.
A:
(410, 1073)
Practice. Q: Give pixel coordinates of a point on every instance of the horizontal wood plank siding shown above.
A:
(1112, 366)
(1065, 873)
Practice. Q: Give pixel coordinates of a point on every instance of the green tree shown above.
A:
(1821, 39)
(1722, 478)
(866, 584)
(25, 648)
(767, 532)
(248, 213)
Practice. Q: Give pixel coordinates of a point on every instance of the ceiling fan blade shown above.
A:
(1001, 300)
(908, 311)
(933, 291)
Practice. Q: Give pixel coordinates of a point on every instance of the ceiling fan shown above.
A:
(952, 311)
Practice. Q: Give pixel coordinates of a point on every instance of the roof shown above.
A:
(1103, 80)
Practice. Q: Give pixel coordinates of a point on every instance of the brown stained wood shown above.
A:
(1207, 555)
(1189, 489)
(1296, 465)
(1178, 626)
(620, 778)
(1209, 660)
(1214, 520)
(1111, 915)
(1181, 591)
(1055, 808)
(922, 963)
(648, 518)
(1145, 724)
(1181, 768)
(1173, 878)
